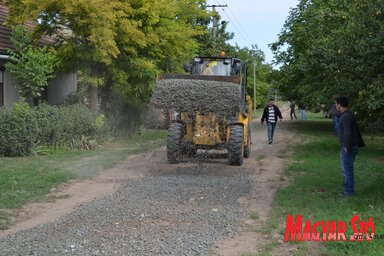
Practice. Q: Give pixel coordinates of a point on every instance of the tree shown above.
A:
(31, 66)
(255, 56)
(117, 43)
(334, 47)
(212, 43)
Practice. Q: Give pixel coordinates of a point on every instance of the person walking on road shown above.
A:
(270, 115)
(350, 140)
(292, 106)
(303, 115)
(335, 115)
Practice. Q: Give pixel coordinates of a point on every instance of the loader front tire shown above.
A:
(236, 145)
(247, 147)
(175, 133)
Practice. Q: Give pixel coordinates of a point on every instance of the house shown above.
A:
(58, 89)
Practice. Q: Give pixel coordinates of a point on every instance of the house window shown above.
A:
(1, 88)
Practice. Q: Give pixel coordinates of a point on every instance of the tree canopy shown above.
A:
(334, 47)
(120, 42)
(31, 66)
(255, 59)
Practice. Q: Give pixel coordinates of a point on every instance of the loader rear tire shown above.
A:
(247, 147)
(236, 145)
(175, 133)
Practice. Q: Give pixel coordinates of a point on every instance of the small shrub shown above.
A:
(40, 130)
(42, 151)
(100, 121)
(4, 129)
(123, 119)
(48, 121)
(75, 98)
(82, 143)
(18, 130)
(77, 120)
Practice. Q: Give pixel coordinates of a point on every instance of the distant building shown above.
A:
(58, 89)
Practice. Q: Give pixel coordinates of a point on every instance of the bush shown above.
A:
(24, 130)
(123, 119)
(42, 129)
(18, 130)
(74, 98)
(76, 121)
(48, 121)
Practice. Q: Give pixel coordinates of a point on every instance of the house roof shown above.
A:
(5, 32)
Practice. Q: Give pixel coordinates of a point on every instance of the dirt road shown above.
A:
(265, 169)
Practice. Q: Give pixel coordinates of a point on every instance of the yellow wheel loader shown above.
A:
(213, 113)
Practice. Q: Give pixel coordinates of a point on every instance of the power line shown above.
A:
(246, 41)
(241, 28)
(237, 25)
(244, 32)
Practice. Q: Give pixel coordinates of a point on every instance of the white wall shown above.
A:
(10, 92)
(60, 87)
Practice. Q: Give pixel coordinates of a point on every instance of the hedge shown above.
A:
(22, 128)
(18, 130)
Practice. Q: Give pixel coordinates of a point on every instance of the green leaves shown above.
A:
(31, 66)
(104, 38)
(122, 45)
(332, 48)
(17, 130)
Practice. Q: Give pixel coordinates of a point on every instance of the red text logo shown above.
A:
(328, 230)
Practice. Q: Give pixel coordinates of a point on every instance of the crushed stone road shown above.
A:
(182, 212)
(196, 207)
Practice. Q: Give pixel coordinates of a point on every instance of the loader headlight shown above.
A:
(197, 59)
(227, 61)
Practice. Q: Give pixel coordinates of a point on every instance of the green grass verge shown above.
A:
(317, 182)
(5, 220)
(28, 179)
(257, 114)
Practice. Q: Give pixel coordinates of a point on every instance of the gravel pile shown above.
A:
(181, 213)
(197, 95)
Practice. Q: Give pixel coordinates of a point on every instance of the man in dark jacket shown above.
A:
(270, 115)
(292, 106)
(350, 139)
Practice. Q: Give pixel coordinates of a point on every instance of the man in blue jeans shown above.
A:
(271, 114)
(350, 139)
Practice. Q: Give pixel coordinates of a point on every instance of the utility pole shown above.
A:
(215, 20)
(254, 86)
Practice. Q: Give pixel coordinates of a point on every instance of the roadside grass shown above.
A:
(29, 179)
(267, 249)
(5, 220)
(260, 157)
(254, 215)
(257, 114)
(317, 181)
(313, 116)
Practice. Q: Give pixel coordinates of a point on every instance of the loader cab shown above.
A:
(217, 66)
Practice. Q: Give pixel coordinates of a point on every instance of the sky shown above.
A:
(255, 21)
